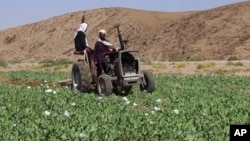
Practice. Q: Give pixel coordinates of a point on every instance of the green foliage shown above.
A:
(233, 58)
(47, 62)
(176, 60)
(207, 65)
(232, 63)
(51, 63)
(143, 60)
(201, 66)
(146, 61)
(181, 65)
(34, 76)
(57, 64)
(182, 108)
(219, 71)
(196, 58)
(3, 64)
(159, 66)
(163, 59)
(14, 62)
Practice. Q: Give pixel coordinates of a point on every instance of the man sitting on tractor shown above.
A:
(102, 46)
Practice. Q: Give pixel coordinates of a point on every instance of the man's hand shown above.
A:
(117, 49)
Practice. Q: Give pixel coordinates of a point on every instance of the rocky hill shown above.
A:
(214, 34)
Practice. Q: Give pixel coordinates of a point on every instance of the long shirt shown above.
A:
(80, 41)
(99, 50)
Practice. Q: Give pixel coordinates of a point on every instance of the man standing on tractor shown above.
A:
(80, 36)
(102, 46)
(81, 44)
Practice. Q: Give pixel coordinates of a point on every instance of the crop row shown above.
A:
(191, 107)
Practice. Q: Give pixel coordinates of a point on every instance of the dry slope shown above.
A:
(211, 34)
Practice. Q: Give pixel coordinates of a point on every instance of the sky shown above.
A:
(20, 12)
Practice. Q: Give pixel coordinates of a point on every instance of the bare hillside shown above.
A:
(211, 34)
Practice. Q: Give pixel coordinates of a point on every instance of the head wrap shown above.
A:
(83, 27)
(103, 31)
(105, 42)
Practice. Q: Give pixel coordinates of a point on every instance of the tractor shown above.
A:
(122, 71)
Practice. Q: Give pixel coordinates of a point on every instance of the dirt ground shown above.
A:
(233, 68)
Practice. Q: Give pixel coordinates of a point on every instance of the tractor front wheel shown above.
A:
(148, 82)
(104, 85)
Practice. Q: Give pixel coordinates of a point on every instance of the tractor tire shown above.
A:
(104, 85)
(148, 84)
(124, 91)
(81, 77)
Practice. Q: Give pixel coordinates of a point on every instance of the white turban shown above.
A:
(83, 27)
(103, 31)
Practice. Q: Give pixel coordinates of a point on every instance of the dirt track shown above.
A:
(239, 68)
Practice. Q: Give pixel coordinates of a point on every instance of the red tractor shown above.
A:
(122, 71)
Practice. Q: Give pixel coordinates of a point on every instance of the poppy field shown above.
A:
(193, 108)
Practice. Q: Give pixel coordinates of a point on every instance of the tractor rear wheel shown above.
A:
(104, 85)
(148, 82)
(81, 77)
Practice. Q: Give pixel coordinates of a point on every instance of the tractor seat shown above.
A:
(78, 52)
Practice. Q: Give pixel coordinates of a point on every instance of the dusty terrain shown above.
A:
(161, 37)
(232, 68)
